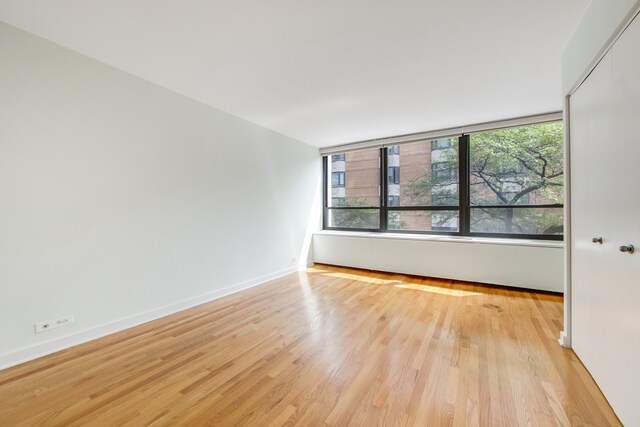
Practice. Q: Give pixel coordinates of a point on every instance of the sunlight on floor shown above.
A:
(315, 270)
(363, 279)
(396, 283)
(436, 290)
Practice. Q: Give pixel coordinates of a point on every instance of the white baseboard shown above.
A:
(35, 351)
(564, 340)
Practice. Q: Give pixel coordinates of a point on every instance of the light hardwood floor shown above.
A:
(330, 346)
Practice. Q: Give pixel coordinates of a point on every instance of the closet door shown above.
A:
(624, 227)
(605, 151)
(590, 121)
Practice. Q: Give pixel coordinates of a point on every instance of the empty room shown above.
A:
(338, 213)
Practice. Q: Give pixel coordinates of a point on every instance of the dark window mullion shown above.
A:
(383, 189)
(463, 185)
(517, 236)
(325, 192)
(547, 206)
(354, 208)
(423, 208)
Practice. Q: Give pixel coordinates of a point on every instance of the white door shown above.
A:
(605, 176)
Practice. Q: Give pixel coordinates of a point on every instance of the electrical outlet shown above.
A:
(293, 260)
(53, 323)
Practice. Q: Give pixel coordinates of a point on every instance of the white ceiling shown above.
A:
(332, 71)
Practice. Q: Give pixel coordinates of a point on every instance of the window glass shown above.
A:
(423, 173)
(355, 180)
(513, 179)
(354, 218)
(393, 174)
(422, 220)
(337, 179)
(394, 201)
(516, 166)
(354, 192)
(541, 221)
(440, 144)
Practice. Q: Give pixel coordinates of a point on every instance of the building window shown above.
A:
(337, 157)
(442, 144)
(393, 174)
(337, 179)
(502, 183)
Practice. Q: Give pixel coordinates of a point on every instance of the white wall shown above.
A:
(602, 21)
(120, 197)
(532, 264)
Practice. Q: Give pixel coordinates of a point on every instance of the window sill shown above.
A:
(449, 239)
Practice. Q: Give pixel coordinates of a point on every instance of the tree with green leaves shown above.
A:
(514, 166)
(361, 217)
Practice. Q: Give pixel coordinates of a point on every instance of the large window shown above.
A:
(420, 186)
(503, 183)
(353, 195)
(516, 182)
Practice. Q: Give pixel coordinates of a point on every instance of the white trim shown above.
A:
(519, 121)
(35, 351)
(564, 340)
(448, 239)
(393, 140)
(565, 335)
(442, 133)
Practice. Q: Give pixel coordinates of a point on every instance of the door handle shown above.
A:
(628, 248)
(597, 240)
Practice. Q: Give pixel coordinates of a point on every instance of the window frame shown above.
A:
(326, 194)
(464, 206)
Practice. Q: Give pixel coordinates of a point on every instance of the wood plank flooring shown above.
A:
(330, 346)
